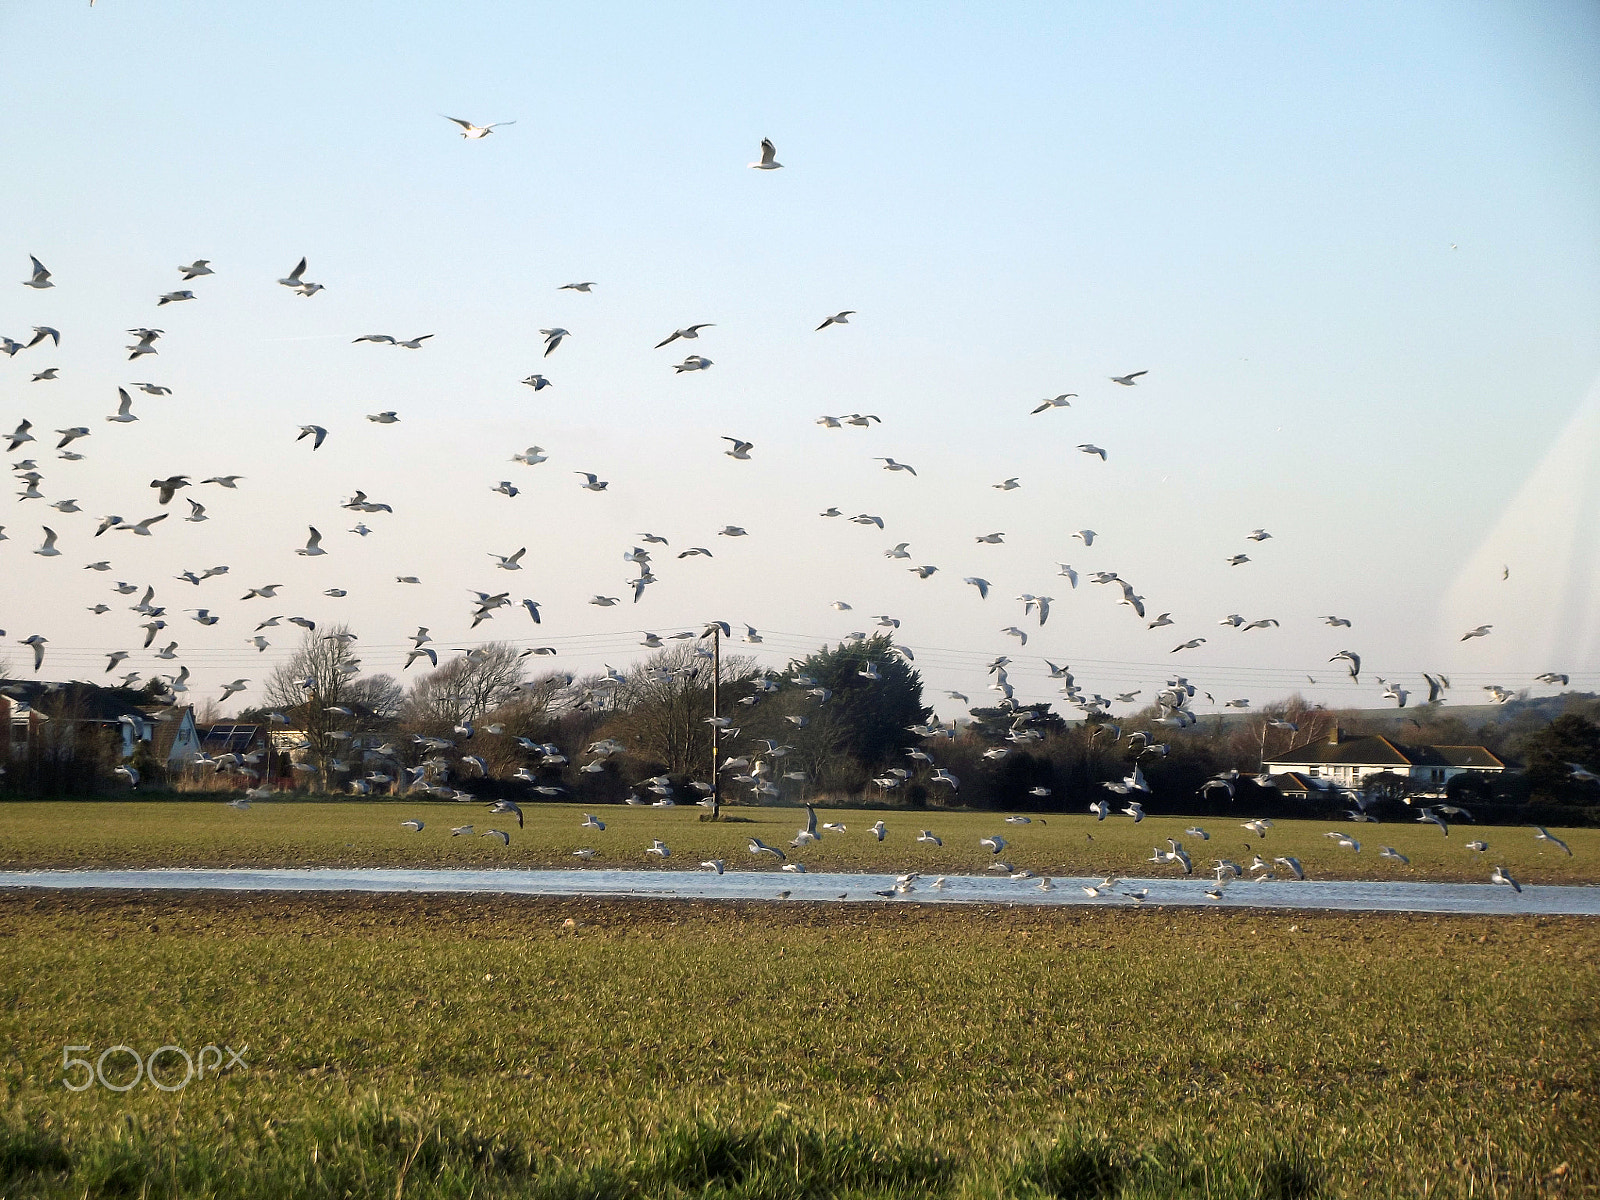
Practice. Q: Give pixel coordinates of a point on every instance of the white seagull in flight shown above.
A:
(476, 132)
(769, 162)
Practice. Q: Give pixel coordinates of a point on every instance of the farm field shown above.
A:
(449, 1046)
(365, 833)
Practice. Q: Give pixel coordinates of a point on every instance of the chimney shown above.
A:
(1336, 736)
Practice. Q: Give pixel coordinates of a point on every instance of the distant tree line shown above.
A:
(844, 724)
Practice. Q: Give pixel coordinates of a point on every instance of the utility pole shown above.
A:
(716, 680)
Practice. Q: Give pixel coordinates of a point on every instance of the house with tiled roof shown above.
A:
(1346, 762)
(44, 716)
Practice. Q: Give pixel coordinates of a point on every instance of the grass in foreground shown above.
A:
(368, 834)
(448, 1046)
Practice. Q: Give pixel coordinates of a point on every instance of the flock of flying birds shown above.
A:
(1172, 702)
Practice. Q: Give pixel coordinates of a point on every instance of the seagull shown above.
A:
(587, 285)
(1544, 835)
(227, 481)
(1008, 485)
(1237, 560)
(1391, 852)
(174, 298)
(595, 483)
(1354, 661)
(40, 332)
(1129, 379)
(889, 464)
(1086, 536)
(46, 375)
(1337, 622)
(41, 277)
(757, 846)
(1428, 814)
(552, 339)
(741, 450)
(658, 848)
(38, 641)
(313, 546)
(691, 332)
(1191, 644)
(124, 413)
(981, 584)
(694, 362)
(991, 539)
(510, 562)
(1058, 402)
(769, 162)
(537, 382)
(1501, 875)
(292, 279)
(147, 339)
(472, 133)
(153, 389)
(1480, 631)
(313, 431)
(995, 843)
(839, 318)
(142, 529)
(1293, 864)
(878, 830)
(1091, 448)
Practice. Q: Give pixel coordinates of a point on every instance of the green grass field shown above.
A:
(450, 1046)
(364, 833)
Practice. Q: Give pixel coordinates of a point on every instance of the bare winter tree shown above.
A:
(466, 688)
(323, 676)
(663, 706)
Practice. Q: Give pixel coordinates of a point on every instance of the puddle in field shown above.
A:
(848, 888)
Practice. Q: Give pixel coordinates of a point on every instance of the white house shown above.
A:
(1347, 761)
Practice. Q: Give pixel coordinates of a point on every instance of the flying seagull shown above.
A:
(693, 331)
(476, 132)
(1129, 379)
(838, 318)
(769, 162)
(41, 277)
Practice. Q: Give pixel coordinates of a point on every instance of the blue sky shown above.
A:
(1357, 248)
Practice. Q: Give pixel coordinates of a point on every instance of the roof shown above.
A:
(69, 701)
(1371, 751)
(167, 723)
(224, 739)
(1377, 751)
(1473, 757)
